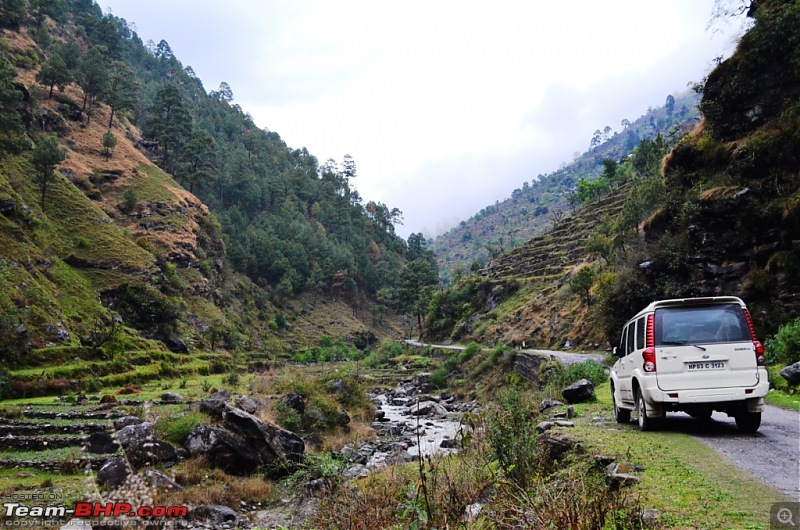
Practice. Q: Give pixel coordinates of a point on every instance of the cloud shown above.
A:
(445, 106)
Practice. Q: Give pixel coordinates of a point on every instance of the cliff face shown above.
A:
(739, 174)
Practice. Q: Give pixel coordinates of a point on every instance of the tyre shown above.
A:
(621, 415)
(645, 423)
(748, 421)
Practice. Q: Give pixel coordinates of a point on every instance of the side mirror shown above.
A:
(615, 352)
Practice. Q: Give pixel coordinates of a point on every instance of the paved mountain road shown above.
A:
(564, 357)
(772, 454)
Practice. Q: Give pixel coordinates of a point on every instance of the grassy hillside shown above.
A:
(121, 263)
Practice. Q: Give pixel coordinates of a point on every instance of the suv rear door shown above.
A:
(703, 346)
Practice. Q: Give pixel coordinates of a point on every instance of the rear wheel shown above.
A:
(621, 415)
(645, 423)
(748, 421)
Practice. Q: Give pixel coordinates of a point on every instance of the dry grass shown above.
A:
(204, 485)
(359, 431)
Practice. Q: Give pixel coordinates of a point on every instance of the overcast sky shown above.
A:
(446, 107)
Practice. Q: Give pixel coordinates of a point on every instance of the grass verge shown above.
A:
(691, 484)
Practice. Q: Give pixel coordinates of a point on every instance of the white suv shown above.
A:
(697, 355)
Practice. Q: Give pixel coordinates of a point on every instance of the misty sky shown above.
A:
(446, 107)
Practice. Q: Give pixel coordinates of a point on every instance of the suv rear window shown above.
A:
(706, 324)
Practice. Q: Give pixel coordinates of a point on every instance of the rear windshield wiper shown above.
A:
(676, 343)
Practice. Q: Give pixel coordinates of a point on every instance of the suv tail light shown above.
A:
(649, 353)
(761, 360)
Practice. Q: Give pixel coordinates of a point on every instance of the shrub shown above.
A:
(287, 417)
(469, 352)
(129, 200)
(557, 375)
(784, 347)
(511, 433)
(176, 429)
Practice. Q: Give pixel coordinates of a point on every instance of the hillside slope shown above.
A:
(531, 209)
(119, 257)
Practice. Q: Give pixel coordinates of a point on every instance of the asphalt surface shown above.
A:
(564, 357)
(772, 454)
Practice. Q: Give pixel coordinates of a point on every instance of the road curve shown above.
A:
(564, 357)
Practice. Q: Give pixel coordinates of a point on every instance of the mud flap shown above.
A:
(654, 410)
(755, 405)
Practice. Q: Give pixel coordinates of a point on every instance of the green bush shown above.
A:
(511, 433)
(129, 200)
(386, 351)
(784, 347)
(287, 417)
(497, 353)
(177, 429)
(557, 375)
(469, 352)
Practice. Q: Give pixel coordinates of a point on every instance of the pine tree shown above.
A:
(46, 155)
(54, 72)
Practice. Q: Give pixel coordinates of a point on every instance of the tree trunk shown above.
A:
(44, 191)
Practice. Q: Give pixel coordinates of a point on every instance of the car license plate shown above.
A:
(705, 365)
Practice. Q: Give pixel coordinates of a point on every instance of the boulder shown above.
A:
(549, 403)
(621, 474)
(160, 481)
(295, 401)
(276, 446)
(125, 421)
(151, 452)
(114, 472)
(544, 426)
(792, 373)
(357, 471)
(338, 387)
(215, 404)
(176, 344)
(101, 443)
(222, 449)
(579, 391)
(171, 397)
(136, 434)
(247, 404)
(421, 379)
(557, 445)
(342, 417)
(215, 513)
(449, 443)
(425, 408)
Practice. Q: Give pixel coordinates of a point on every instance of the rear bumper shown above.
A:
(716, 398)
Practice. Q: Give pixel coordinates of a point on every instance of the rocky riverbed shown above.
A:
(410, 420)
